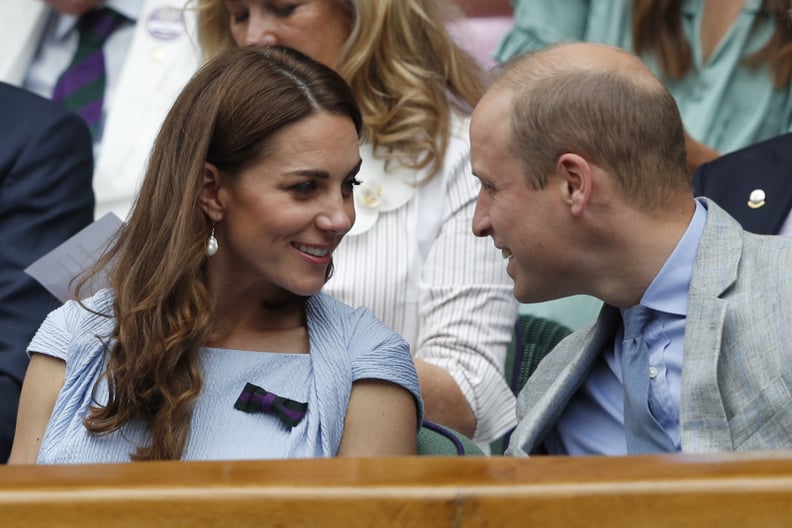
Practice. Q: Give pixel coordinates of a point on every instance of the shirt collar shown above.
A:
(668, 292)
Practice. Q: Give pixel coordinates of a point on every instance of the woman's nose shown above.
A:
(337, 219)
(261, 31)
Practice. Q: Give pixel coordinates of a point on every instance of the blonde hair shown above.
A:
(404, 68)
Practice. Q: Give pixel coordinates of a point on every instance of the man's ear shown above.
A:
(210, 200)
(575, 180)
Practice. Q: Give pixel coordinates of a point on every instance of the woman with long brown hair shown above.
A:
(213, 340)
(410, 256)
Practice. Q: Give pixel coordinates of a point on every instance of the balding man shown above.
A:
(580, 151)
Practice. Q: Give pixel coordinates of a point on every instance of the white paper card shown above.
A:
(57, 269)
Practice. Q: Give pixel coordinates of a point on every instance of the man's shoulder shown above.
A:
(776, 148)
(28, 114)
(729, 228)
(744, 165)
(14, 99)
(724, 236)
(753, 265)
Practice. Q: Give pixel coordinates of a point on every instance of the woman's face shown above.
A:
(316, 28)
(283, 216)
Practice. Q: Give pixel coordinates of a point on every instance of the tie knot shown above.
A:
(635, 319)
(98, 24)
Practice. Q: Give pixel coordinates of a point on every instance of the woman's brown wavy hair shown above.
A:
(404, 68)
(657, 28)
(226, 115)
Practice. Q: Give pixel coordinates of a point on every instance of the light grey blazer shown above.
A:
(737, 365)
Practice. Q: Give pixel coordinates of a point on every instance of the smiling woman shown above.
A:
(214, 341)
(410, 256)
(296, 202)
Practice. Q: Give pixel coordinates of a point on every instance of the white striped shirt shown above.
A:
(423, 273)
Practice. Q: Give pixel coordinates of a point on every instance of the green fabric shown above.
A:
(536, 336)
(724, 104)
(433, 443)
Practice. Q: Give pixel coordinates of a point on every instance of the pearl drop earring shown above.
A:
(211, 245)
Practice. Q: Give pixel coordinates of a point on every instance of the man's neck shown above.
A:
(640, 245)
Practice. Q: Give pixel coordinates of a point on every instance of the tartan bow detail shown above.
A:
(254, 399)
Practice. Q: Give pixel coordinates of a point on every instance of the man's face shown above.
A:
(522, 222)
(73, 7)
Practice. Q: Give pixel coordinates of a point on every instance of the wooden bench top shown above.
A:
(682, 490)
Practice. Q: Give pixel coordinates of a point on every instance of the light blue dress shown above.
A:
(724, 104)
(346, 345)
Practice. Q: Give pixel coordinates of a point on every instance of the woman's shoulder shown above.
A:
(93, 311)
(320, 303)
(354, 323)
(73, 321)
(326, 307)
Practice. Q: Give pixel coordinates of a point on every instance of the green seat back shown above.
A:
(437, 440)
(532, 339)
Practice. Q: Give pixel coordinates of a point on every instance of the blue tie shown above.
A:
(644, 434)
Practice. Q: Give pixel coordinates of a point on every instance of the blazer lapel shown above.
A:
(558, 377)
(703, 423)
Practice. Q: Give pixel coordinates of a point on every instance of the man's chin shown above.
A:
(531, 295)
(523, 296)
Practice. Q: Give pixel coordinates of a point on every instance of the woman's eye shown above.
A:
(283, 10)
(239, 17)
(304, 187)
(350, 183)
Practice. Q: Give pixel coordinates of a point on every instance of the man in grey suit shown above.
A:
(581, 156)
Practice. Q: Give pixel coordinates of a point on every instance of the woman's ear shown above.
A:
(575, 172)
(210, 201)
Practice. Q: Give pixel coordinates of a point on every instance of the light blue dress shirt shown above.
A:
(724, 104)
(59, 42)
(599, 404)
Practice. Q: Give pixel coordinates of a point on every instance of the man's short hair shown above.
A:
(629, 125)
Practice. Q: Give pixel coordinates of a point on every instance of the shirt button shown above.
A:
(652, 372)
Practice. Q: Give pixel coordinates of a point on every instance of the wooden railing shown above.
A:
(753, 490)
